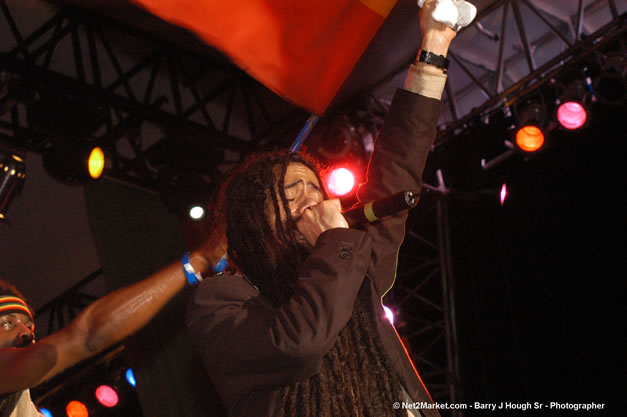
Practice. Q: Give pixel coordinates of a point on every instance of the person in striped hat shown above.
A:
(17, 328)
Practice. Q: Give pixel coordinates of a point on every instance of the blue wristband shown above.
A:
(192, 276)
(221, 265)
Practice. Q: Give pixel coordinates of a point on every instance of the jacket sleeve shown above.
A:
(250, 345)
(397, 164)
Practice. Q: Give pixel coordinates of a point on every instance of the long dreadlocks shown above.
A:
(357, 366)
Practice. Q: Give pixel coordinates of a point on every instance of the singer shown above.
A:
(298, 328)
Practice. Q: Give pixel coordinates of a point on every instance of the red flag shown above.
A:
(301, 49)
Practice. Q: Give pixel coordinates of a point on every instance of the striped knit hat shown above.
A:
(9, 303)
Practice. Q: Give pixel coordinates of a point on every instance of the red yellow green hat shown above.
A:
(12, 304)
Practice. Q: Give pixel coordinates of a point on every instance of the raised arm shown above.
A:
(403, 144)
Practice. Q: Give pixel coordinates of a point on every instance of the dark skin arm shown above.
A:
(101, 324)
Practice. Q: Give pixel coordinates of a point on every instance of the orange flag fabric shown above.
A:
(301, 49)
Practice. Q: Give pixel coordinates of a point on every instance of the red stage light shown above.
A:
(529, 138)
(107, 396)
(76, 409)
(340, 181)
(571, 115)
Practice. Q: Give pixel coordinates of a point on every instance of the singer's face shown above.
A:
(16, 330)
(302, 191)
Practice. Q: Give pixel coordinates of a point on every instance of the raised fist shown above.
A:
(455, 14)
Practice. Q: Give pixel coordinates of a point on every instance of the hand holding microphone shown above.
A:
(372, 211)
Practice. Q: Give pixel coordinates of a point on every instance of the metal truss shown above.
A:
(522, 65)
(151, 104)
(423, 298)
(61, 310)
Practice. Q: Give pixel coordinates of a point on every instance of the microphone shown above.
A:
(373, 210)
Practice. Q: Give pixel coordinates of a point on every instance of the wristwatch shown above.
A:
(433, 59)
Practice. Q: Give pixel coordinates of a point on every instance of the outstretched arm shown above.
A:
(100, 325)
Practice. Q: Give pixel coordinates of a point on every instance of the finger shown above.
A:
(336, 204)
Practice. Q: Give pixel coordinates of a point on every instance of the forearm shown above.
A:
(100, 325)
(424, 79)
(123, 312)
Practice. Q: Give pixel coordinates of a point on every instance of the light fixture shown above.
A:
(572, 104)
(76, 409)
(531, 124)
(503, 194)
(76, 163)
(12, 175)
(340, 181)
(196, 212)
(130, 377)
(107, 396)
(45, 412)
(529, 138)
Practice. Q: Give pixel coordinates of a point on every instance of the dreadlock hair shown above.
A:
(245, 199)
(356, 377)
(357, 366)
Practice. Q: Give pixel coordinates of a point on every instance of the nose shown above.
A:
(23, 330)
(309, 200)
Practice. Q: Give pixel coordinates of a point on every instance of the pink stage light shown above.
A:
(571, 115)
(503, 194)
(107, 396)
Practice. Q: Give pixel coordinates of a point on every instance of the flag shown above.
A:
(301, 49)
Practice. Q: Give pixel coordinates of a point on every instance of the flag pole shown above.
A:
(304, 133)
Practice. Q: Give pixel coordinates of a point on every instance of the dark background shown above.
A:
(540, 280)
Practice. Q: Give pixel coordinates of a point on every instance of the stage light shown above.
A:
(107, 396)
(340, 181)
(531, 121)
(45, 412)
(12, 175)
(130, 377)
(572, 103)
(96, 162)
(529, 138)
(196, 213)
(571, 115)
(389, 314)
(76, 163)
(503, 194)
(76, 409)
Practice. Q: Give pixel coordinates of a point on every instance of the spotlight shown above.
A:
(571, 115)
(340, 181)
(503, 194)
(130, 377)
(610, 86)
(45, 412)
(107, 396)
(389, 314)
(12, 174)
(96, 162)
(196, 212)
(76, 409)
(529, 138)
(571, 110)
(532, 120)
(76, 163)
